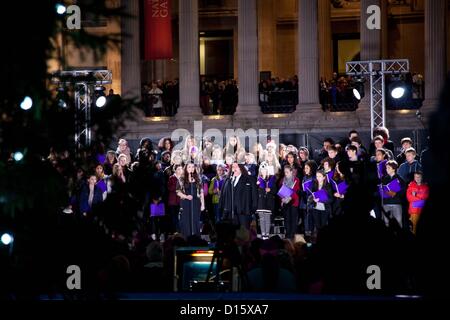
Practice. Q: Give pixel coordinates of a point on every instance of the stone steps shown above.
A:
(315, 121)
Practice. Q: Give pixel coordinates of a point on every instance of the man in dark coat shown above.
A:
(238, 198)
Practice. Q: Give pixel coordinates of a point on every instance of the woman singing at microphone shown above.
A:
(192, 203)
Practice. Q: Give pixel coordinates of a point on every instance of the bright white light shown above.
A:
(100, 102)
(398, 92)
(27, 103)
(356, 94)
(62, 104)
(18, 156)
(60, 9)
(6, 239)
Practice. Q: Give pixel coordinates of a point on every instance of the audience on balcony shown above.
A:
(276, 95)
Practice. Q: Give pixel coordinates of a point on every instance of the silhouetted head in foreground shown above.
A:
(434, 223)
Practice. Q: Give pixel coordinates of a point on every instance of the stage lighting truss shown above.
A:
(376, 70)
(84, 83)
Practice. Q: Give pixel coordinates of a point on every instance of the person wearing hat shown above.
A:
(123, 148)
(406, 144)
(266, 186)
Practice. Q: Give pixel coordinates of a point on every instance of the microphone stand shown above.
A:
(192, 205)
(232, 197)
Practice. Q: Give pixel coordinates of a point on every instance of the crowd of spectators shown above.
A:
(161, 98)
(277, 95)
(216, 97)
(337, 94)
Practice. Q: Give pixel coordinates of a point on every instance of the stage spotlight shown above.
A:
(18, 156)
(99, 96)
(100, 102)
(397, 87)
(62, 104)
(26, 103)
(397, 92)
(6, 239)
(356, 94)
(358, 90)
(60, 9)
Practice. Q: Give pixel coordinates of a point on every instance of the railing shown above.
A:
(169, 105)
(279, 101)
(337, 101)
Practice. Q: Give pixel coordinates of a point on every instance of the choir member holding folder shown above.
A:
(381, 160)
(328, 166)
(290, 185)
(309, 175)
(377, 171)
(266, 186)
(322, 195)
(391, 190)
(339, 184)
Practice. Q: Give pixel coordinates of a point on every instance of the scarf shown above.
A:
(289, 182)
(218, 182)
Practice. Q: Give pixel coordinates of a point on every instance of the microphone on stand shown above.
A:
(232, 194)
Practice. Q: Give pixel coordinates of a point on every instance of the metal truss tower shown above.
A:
(83, 81)
(376, 70)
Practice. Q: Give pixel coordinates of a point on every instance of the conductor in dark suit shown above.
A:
(238, 198)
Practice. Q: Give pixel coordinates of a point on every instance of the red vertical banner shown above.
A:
(158, 29)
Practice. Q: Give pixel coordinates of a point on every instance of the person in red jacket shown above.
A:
(173, 203)
(416, 193)
(290, 203)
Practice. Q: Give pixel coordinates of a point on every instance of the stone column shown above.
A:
(384, 30)
(325, 39)
(189, 60)
(435, 51)
(130, 62)
(267, 29)
(370, 38)
(308, 55)
(370, 46)
(248, 105)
